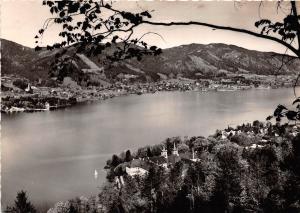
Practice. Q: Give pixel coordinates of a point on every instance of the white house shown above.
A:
(254, 146)
(136, 171)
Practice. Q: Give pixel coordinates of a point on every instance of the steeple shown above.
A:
(193, 154)
(175, 150)
(164, 152)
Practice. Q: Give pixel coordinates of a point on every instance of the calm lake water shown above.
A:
(53, 155)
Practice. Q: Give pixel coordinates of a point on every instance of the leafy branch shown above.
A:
(93, 26)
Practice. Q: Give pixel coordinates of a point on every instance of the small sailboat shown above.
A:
(96, 174)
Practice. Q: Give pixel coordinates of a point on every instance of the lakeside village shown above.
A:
(128, 172)
(19, 94)
(256, 135)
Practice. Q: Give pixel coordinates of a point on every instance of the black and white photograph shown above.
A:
(150, 106)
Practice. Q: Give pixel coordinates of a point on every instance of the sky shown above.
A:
(21, 19)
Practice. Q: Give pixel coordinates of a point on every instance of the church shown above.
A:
(164, 151)
(171, 159)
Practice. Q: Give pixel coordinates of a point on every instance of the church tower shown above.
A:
(193, 154)
(164, 152)
(175, 150)
(195, 159)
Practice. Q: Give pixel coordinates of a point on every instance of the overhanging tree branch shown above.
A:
(294, 10)
(293, 49)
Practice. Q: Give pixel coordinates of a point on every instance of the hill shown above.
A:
(21, 60)
(191, 61)
(212, 59)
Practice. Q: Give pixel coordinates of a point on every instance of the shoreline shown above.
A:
(60, 98)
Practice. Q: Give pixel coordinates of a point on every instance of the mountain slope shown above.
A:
(188, 60)
(21, 60)
(193, 58)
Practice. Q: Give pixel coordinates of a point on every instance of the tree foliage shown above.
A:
(283, 112)
(22, 204)
(128, 156)
(94, 26)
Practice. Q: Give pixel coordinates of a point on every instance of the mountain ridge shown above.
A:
(188, 60)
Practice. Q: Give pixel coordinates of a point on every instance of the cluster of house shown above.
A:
(263, 131)
(139, 167)
(228, 133)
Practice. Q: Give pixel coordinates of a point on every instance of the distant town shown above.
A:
(19, 94)
(30, 83)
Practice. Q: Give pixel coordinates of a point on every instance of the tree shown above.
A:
(116, 160)
(183, 148)
(194, 176)
(241, 139)
(181, 202)
(22, 204)
(72, 209)
(149, 152)
(20, 84)
(128, 156)
(153, 185)
(274, 201)
(228, 183)
(175, 175)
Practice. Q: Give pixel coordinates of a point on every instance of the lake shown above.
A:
(53, 155)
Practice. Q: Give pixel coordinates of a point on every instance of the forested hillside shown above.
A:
(190, 61)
